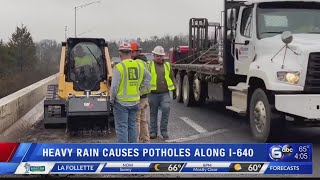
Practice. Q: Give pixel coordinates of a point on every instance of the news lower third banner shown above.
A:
(39, 158)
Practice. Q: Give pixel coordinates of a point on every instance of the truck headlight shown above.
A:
(289, 77)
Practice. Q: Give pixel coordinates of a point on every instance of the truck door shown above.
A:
(244, 46)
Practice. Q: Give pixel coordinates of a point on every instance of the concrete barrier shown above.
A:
(15, 106)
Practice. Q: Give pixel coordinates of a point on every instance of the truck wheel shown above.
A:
(178, 87)
(265, 121)
(187, 92)
(199, 91)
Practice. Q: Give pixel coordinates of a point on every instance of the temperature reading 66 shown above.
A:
(174, 167)
(254, 167)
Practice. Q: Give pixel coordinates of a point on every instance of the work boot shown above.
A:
(165, 135)
(153, 135)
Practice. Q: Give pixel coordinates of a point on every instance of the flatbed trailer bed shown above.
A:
(208, 69)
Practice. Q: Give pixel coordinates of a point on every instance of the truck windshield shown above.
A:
(297, 17)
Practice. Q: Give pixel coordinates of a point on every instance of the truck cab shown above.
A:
(178, 53)
(274, 45)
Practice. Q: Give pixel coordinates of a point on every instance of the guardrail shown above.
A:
(15, 106)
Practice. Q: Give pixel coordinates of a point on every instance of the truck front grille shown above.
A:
(312, 84)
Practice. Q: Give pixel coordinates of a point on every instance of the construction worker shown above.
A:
(136, 52)
(82, 58)
(127, 79)
(142, 121)
(84, 71)
(162, 81)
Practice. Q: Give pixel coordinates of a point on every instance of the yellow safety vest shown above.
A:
(131, 78)
(144, 64)
(85, 60)
(153, 83)
(145, 90)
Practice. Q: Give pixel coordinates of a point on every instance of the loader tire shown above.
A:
(52, 111)
(53, 126)
(49, 126)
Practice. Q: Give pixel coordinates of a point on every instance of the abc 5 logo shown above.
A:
(277, 152)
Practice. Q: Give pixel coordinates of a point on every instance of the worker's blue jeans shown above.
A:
(163, 101)
(125, 123)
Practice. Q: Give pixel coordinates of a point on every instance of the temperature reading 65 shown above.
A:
(303, 149)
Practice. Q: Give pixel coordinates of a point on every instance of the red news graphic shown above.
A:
(7, 150)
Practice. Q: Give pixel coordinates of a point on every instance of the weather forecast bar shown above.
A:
(40, 158)
(156, 168)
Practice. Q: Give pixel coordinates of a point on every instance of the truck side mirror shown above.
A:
(231, 34)
(287, 37)
(231, 19)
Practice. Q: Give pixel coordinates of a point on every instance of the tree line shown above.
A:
(149, 44)
(24, 61)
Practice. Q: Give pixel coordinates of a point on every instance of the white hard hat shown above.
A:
(159, 51)
(125, 47)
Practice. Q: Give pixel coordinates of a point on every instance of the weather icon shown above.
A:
(156, 167)
(237, 167)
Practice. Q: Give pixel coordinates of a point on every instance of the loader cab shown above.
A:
(85, 63)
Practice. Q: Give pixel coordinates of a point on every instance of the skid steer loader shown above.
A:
(80, 100)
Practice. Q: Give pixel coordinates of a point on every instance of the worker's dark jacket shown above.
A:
(144, 58)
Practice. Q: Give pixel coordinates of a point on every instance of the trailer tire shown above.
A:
(178, 87)
(187, 92)
(266, 122)
(199, 90)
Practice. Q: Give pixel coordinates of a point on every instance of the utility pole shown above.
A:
(65, 32)
(75, 22)
(75, 15)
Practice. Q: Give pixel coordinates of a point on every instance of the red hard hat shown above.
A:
(135, 46)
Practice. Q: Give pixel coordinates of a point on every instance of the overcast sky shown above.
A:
(109, 19)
